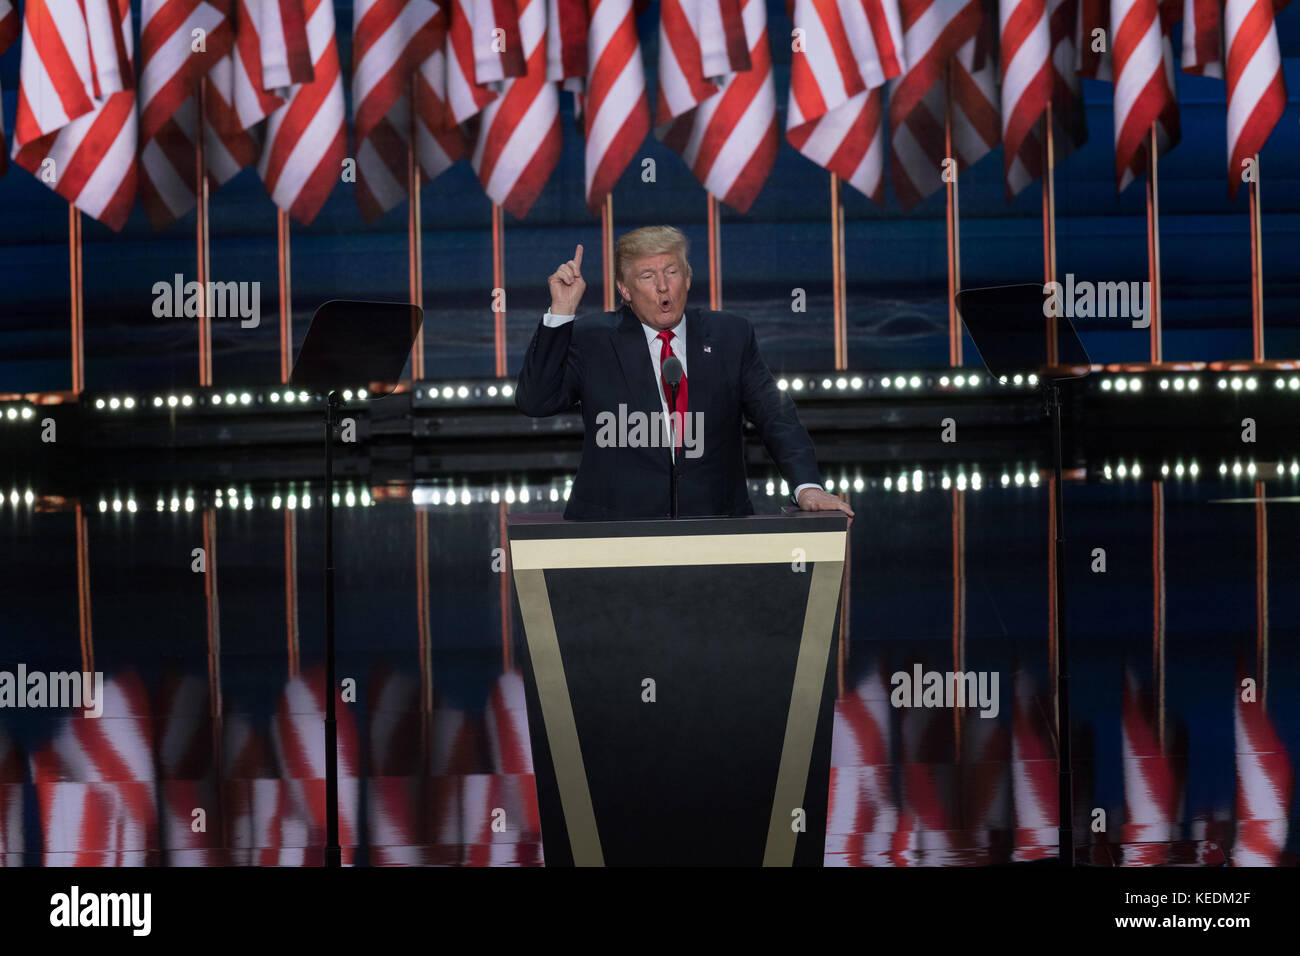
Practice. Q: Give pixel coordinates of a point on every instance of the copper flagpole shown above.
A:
(499, 284)
(1049, 227)
(839, 304)
(204, 263)
(954, 237)
(414, 235)
(1153, 248)
(715, 254)
(1256, 268)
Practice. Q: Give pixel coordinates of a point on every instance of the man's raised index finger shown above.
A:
(577, 256)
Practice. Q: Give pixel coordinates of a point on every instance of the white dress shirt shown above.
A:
(655, 346)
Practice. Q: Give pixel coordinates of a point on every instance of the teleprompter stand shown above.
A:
(349, 345)
(1010, 330)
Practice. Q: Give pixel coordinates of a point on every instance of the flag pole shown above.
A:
(1158, 604)
(954, 238)
(291, 590)
(838, 298)
(204, 264)
(958, 604)
(607, 250)
(1261, 592)
(1256, 268)
(1049, 227)
(715, 254)
(414, 237)
(84, 622)
(77, 301)
(499, 282)
(286, 294)
(213, 610)
(1153, 247)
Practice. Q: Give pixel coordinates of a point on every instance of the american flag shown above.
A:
(939, 32)
(306, 139)
(170, 75)
(1093, 48)
(95, 784)
(616, 113)
(862, 814)
(511, 786)
(1154, 776)
(519, 135)
(1034, 779)
(75, 126)
(728, 136)
(391, 40)
(186, 761)
(1144, 87)
(1027, 81)
(1256, 88)
(9, 28)
(269, 54)
(298, 740)
(1265, 785)
(836, 104)
(1202, 38)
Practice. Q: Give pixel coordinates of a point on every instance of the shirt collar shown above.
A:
(678, 330)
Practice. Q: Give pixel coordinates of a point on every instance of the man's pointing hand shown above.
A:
(567, 285)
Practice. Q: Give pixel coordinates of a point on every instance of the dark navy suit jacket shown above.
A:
(601, 361)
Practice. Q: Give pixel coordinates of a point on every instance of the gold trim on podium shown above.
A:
(530, 559)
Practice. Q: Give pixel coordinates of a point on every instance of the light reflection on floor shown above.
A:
(214, 700)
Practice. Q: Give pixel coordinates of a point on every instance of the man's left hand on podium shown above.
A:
(814, 499)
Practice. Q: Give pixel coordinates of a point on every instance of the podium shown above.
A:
(680, 686)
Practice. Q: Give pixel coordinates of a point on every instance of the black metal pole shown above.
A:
(672, 454)
(1065, 782)
(333, 853)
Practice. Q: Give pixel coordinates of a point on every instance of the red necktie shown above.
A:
(667, 350)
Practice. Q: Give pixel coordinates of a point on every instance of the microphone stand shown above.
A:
(672, 453)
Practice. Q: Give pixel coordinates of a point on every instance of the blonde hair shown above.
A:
(650, 241)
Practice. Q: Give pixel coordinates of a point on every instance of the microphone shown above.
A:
(672, 369)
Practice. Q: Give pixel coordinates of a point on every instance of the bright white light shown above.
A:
(12, 414)
(507, 390)
(1122, 471)
(361, 393)
(1250, 469)
(976, 481)
(245, 398)
(174, 504)
(103, 505)
(113, 403)
(916, 479)
(189, 504)
(915, 381)
(1006, 479)
(510, 496)
(1179, 384)
(350, 499)
(1105, 385)
(961, 482)
(448, 391)
(946, 483)
(28, 497)
(830, 484)
(1020, 478)
(1294, 384)
(1002, 380)
(27, 412)
(1164, 469)
(1223, 383)
(275, 502)
(1236, 468)
(492, 391)
(117, 503)
(275, 398)
(782, 384)
(1236, 385)
(1017, 379)
(886, 382)
(495, 497)
(187, 400)
(289, 396)
(99, 403)
(841, 383)
(1137, 470)
(128, 402)
(857, 484)
(856, 381)
(1121, 385)
(555, 494)
(462, 392)
(943, 380)
(798, 384)
(172, 401)
(1193, 384)
(1178, 469)
(130, 505)
(973, 380)
(1135, 385)
(826, 383)
(771, 487)
(1033, 379)
(1223, 469)
(1194, 470)
(1164, 385)
(230, 398)
(347, 394)
(292, 502)
(1251, 384)
(464, 496)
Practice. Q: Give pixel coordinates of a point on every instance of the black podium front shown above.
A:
(678, 680)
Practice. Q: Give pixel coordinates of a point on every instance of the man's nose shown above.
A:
(661, 283)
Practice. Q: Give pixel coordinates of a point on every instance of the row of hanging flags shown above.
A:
(100, 123)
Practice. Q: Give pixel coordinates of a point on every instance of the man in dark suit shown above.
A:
(612, 365)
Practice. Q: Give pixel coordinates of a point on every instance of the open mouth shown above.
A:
(665, 304)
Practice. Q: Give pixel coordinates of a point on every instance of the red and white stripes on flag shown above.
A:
(519, 136)
(728, 136)
(1154, 775)
(270, 53)
(306, 139)
(1091, 40)
(1256, 88)
(1026, 88)
(836, 107)
(1144, 86)
(935, 33)
(616, 113)
(96, 782)
(391, 41)
(75, 127)
(1202, 38)
(12, 776)
(170, 73)
(1265, 785)
(9, 28)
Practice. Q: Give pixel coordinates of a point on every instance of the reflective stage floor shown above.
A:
(210, 748)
